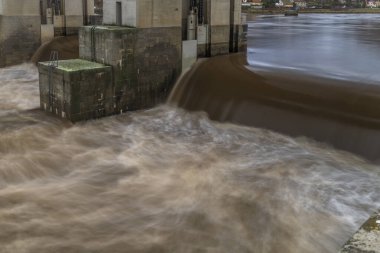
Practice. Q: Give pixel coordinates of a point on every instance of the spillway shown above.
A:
(301, 77)
(337, 113)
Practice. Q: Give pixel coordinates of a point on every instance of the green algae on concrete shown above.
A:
(367, 239)
(75, 65)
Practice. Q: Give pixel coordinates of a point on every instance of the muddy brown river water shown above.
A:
(170, 180)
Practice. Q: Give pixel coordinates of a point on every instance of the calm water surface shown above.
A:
(336, 46)
(166, 180)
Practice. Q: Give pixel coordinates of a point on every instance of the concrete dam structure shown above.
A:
(147, 44)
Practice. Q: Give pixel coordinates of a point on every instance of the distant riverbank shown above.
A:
(339, 11)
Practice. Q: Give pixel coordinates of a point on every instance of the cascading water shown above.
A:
(168, 180)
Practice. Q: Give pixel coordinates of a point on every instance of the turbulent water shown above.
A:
(166, 180)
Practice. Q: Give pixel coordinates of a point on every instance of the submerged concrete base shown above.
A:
(76, 89)
(367, 239)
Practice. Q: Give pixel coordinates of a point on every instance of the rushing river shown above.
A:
(167, 180)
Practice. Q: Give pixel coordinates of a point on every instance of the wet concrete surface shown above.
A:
(367, 239)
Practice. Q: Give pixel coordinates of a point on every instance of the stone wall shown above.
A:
(146, 62)
(19, 38)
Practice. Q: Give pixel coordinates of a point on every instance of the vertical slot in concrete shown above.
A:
(118, 14)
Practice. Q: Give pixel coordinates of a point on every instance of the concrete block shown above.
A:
(76, 89)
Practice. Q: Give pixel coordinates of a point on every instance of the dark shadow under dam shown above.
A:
(339, 113)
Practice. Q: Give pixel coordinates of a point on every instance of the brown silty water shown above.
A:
(169, 180)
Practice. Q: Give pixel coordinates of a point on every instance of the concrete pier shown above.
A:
(145, 61)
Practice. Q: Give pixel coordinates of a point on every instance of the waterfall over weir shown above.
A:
(336, 112)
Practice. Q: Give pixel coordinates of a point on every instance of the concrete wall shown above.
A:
(220, 12)
(47, 33)
(129, 12)
(220, 26)
(189, 54)
(73, 8)
(20, 26)
(163, 13)
(71, 19)
(144, 13)
(90, 7)
(237, 12)
(185, 13)
(20, 7)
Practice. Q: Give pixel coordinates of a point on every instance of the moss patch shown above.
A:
(76, 65)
